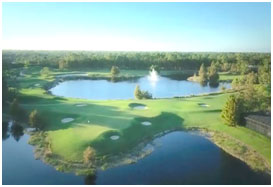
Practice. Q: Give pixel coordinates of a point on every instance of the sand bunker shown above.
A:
(115, 137)
(140, 107)
(203, 105)
(67, 120)
(146, 123)
(81, 105)
(36, 84)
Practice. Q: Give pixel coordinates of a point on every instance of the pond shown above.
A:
(179, 158)
(161, 87)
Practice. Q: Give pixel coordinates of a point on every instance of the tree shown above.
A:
(45, 71)
(88, 155)
(213, 75)
(264, 72)
(264, 97)
(243, 67)
(251, 78)
(146, 95)
(202, 74)
(114, 71)
(142, 94)
(225, 66)
(232, 110)
(62, 64)
(137, 93)
(35, 120)
(238, 83)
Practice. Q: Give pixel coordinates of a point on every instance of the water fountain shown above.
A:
(153, 77)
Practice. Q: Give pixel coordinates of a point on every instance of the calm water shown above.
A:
(103, 89)
(179, 158)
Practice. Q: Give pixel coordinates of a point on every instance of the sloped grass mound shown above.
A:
(136, 133)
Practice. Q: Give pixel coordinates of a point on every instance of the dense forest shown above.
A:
(234, 62)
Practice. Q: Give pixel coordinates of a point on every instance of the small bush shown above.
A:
(88, 155)
(142, 94)
(35, 120)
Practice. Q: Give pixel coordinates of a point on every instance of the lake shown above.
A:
(179, 158)
(163, 87)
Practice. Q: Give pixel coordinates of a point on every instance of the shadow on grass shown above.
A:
(136, 133)
(211, 111)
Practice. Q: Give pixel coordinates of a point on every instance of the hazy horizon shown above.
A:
(137, 27)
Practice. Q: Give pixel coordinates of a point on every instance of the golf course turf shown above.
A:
(95, 122)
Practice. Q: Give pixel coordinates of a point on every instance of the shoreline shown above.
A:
(249, 156)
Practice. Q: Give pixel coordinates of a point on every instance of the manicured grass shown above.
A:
(226, 76)
(69, 140)
(96, 122)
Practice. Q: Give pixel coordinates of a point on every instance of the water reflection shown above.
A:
(5, 130)
(12, 128)
(16, 131)
(90, 179)
(181, 158)
(158, 86)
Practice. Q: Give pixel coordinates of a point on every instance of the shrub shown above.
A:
(35, 120)
(141, 94)
(88, 155)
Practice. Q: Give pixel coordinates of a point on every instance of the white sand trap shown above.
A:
(37, 85)
(140, 108)
(81, 105)
(114, 137)
(146, 123)
(67, 120)
(203, 105)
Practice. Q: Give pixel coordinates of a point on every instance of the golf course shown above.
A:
(114, 128)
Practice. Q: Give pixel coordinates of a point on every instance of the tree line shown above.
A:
(253, 94)
(235, 62)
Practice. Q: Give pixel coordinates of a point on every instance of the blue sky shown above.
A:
(219, 27)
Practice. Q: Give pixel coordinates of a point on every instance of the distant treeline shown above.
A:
(132, 60)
